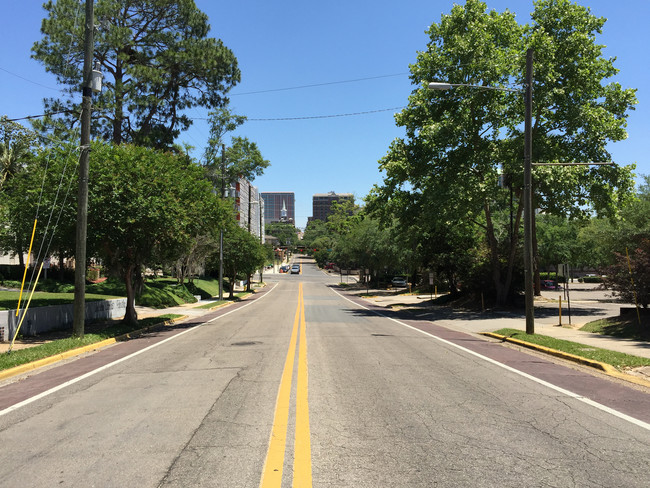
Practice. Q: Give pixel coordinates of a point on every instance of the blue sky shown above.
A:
(287, 44)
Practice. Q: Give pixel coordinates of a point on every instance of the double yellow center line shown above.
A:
(272, 473)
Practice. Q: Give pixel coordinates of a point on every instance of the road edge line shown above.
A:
(569, 393)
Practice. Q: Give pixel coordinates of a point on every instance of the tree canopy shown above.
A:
(462, 155)
(242, 158)
(157, 60)
(146, 206)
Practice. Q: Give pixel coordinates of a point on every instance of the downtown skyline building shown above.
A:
(279, 207)
(322, 204)
(249, 206)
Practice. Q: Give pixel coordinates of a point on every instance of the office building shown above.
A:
(322, 203)
(279, 207)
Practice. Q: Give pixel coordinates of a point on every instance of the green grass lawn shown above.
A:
(99, 333)
(9, 299)
(616, 359)
(626, 326)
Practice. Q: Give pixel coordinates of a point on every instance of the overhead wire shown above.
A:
(316, 84)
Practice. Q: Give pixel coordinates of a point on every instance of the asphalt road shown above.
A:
(304, 383)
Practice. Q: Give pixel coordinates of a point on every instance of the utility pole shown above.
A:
(528, 198)
(223, 169)
(79, 309)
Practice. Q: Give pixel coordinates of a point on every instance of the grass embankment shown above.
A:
(156, 293)
(625, 326)
(616, 359)
(52, 348)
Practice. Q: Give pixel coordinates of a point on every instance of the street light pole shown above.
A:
(528, 197)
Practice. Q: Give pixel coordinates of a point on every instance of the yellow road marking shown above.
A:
(274, 463)
(302, 447)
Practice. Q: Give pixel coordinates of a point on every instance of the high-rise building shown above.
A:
(249, 206)
(279, 207)
(322, 203)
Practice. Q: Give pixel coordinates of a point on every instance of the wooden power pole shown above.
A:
(79, 314)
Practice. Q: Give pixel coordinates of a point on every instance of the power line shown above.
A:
(271, 119)
(27, 117)
(29, 81)
(353, 114)
(317, 84)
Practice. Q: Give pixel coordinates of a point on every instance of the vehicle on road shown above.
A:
(285, 268)
(295, 269)
(399, 281)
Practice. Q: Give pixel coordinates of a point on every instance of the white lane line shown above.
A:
(117, 361)
(568, 393)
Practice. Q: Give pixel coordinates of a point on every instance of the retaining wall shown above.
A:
(45, 319)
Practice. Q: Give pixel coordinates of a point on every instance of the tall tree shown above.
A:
(241, 158)
(242, 254)
(460, 143)
(147, 207)
(157, 61)
(283, 232)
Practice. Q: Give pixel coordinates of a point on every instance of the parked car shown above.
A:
(285, 268)
(295, 269)
(399, 281)
(550, 285)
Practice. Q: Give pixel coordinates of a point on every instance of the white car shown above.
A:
(295, 269)
(399, 281)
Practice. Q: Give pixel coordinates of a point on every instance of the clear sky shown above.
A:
(296, 43)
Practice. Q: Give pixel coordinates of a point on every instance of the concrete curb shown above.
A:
(604, 367)
(24, 368)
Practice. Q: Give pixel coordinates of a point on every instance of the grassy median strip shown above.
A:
(52, 348)
(617, 359)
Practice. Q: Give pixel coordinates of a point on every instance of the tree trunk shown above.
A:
(233, 277)
(119, 102)
(513, 247)
(19, 251)
(130, 315)
(61, 265)
(501, 291)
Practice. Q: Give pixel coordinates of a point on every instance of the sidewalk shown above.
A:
(584, 310)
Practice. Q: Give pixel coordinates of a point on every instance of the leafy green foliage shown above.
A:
(282, 231)
(631, 280)
(17, 146)
(459, 167)
(157, 61)
(317, 236)
(557, 240)
(147, 207)
(243, 254)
